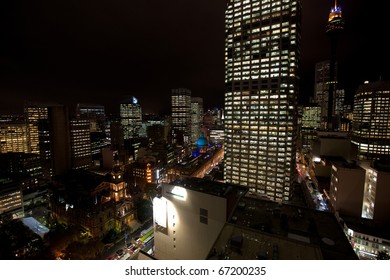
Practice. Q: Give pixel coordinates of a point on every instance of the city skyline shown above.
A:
(85, 53)
(129, 147)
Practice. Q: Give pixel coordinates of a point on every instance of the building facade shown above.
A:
(13, 137)
(196, 118)
(371, 114)
(80, 142)
(189, 216)
(181, 115)
(131, 118)
(262, 53)
(35, 114)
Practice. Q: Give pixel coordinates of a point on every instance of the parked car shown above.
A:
(120, 252)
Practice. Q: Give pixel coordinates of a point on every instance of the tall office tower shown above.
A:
(35, 114)
(59, 135)
(117, 135)
(13, 137)
(310, 123)
(95, 113)
(334, 27)
(261, 63)
(311, 116)
(339, 102)
(131, 117)
(48, 132)
(371, 115)
(181, 115)
(196, 118)
(80, 143)
(321, 89)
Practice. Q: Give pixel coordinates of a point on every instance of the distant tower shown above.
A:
(334, 27)
(181, 115)
(196, 117)
(131, 117)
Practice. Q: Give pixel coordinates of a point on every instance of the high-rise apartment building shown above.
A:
(131, 117)
(261, 75)
(181, 115)
(196, 117)
(371, 115)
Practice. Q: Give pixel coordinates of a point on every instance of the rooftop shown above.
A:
(264, 229)
(367, 226)
(208, 187)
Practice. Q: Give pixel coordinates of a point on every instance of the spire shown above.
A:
(335, 20)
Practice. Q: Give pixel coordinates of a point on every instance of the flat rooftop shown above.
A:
(367, 226)
(264, 229)
(208, 187)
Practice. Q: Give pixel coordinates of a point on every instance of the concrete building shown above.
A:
(189, 217)
(199, 219)
(347, 188)
(371, 114)
(360, 190)
(367, 238)
(376, 197)
(260, 229)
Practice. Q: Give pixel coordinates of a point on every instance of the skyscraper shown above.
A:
(13, 137)
(131, 117)
(48, 134)
(334, 27)
(321, 89)
(80, 142)
(35, 114)
(196, 117)
(181, 115)
(261, 75)
(371, 115)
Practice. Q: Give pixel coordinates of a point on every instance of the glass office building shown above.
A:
(262, 52)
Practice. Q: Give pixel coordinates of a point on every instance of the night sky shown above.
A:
(101, 51)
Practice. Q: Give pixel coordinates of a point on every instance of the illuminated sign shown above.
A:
(160, 211)
(178, 192)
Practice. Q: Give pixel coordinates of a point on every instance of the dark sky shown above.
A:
(101, 51)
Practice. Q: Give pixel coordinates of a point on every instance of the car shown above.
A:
(120, 253)
(130, 246)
